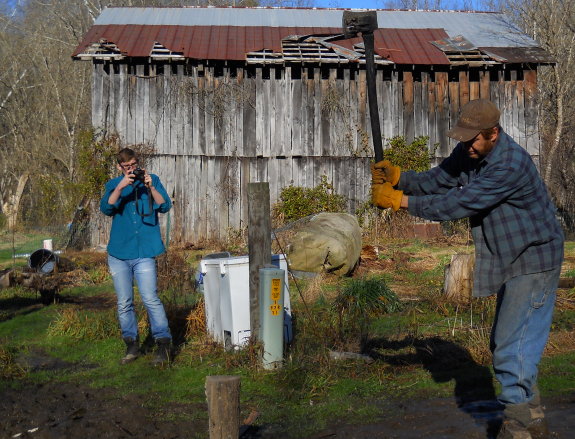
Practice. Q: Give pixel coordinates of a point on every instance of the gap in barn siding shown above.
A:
(295, 72)
(473, 75)
(310, 73)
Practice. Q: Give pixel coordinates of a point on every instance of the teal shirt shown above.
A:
(133, 235)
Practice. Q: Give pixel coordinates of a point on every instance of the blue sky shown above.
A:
(361, 4)
(381, 4)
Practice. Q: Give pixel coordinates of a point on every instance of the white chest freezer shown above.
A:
(226, 287)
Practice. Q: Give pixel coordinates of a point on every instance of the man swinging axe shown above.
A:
(493, 181)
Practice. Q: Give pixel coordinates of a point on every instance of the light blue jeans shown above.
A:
(522, 323)
(144, 270)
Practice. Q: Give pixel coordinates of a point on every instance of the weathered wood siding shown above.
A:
(215, 128)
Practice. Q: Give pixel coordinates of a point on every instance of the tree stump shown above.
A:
(458, 280)
(223, 395)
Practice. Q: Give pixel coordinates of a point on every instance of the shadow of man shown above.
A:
(445, 360)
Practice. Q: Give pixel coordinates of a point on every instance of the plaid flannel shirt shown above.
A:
(512, 218)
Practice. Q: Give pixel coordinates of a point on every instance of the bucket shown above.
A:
(43, 261)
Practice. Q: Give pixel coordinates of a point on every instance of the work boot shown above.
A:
(162, 356)
(538, 425)
(517, 417)
(513, 429)
(132, 350)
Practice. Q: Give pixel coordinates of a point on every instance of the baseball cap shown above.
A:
(476, 115)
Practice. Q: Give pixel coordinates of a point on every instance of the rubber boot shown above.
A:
(132, 350)
(162, 356)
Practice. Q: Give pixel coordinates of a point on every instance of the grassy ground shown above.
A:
(423, 348)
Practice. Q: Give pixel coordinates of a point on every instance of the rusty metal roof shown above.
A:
(404, 37)
(401, 46)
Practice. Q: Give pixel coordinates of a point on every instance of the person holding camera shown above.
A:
(133, 200)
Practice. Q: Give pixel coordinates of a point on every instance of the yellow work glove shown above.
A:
(384, 196)
(385, 171)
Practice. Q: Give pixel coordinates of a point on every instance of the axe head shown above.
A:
(355, 22)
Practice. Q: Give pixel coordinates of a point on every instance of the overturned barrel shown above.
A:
(43, 261)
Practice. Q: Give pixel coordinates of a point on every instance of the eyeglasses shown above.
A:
(129, 165)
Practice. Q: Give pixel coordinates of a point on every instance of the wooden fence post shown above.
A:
(223, 395)
(259, 245)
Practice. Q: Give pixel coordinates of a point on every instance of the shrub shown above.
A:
(298, 202)
(414, 156)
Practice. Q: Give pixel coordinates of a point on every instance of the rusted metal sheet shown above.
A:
(401, 46)
(484, 29)
(410, 46)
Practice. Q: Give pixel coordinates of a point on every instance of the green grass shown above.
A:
(556, 374)
(424, 350)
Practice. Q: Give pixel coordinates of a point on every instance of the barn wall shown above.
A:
(216, 128)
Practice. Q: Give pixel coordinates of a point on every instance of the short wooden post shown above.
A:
(458, 282)
(223, 395)
(259, 245)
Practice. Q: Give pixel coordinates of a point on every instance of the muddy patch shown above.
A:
(66, 410)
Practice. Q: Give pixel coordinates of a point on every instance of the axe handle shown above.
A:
(372, 95)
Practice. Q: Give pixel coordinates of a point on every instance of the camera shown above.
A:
(139, 174)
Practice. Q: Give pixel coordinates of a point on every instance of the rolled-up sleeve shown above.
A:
(105, 207)
(167, 204)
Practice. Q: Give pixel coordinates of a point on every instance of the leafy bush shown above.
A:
(414, 156)
(298, 202)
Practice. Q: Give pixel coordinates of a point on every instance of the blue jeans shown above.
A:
(144, 270)
(522, 323)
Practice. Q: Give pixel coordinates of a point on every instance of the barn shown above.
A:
(228, 96)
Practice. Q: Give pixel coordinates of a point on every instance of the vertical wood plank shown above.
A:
(211, 111)
(532, 143)
(407, 97)
(297, 114)
(259, 244)
(418, 108)
(453, 106)
(442, 120)
(463, 87)
(99, 101)
(250, 108)
(317, 118)
(432, 111)
(484, 84)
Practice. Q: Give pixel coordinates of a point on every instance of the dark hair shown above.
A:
(125, 155)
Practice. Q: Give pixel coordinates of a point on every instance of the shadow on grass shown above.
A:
(18, 306)
(445, 360)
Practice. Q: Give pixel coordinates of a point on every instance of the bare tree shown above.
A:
(552, 24)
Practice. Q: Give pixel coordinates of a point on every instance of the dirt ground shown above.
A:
(56, 410)
(72, 410)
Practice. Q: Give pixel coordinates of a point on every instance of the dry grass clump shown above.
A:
(9, 368)
(85, 325)
(196, 320)
(323, 286)
(560, 342)
(565, 299)
(174, 272)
